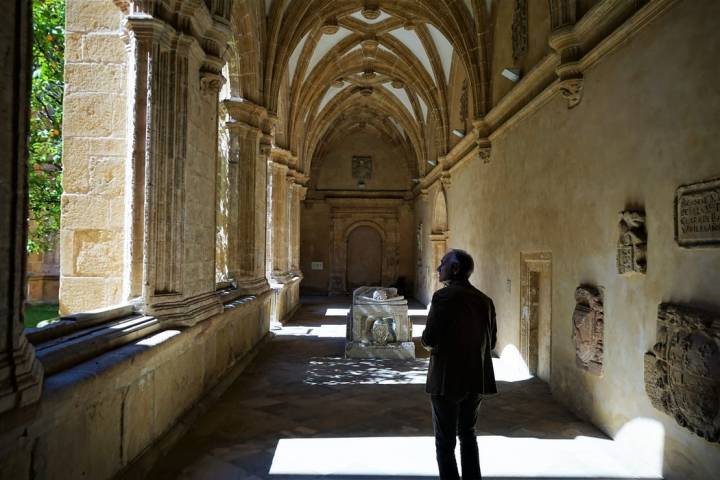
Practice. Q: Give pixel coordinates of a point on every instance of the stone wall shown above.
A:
(557, 180)
(94, 150)
(98, 417)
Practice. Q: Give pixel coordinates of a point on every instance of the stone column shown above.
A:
(278, 219)
(21, 374)
(438, 242)
(248, 205)
(298, 195)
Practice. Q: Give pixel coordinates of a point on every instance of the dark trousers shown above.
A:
(456, 415)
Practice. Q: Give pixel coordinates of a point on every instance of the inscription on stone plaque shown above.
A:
(682, 372)
(588, 323)
(632, 244)
(697, 214)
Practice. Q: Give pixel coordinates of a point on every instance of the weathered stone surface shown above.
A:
(697, 214)
(108, 48)
(378, 325)
(682, 372)
(93, 77)
(632, 244)
(588, 324)
(92, 111)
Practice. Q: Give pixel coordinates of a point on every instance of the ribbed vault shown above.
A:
(333, 68)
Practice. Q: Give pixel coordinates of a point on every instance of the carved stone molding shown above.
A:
(484, 149)
(632, 243)
(588, 325)
(682, 372)
(446, 180)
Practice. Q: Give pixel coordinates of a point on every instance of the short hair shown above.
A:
(464, 261)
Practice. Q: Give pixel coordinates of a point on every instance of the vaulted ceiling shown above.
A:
(329, 68)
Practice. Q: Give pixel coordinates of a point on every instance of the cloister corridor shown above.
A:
(301, 410)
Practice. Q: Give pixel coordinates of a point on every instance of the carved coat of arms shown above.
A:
(588, 323)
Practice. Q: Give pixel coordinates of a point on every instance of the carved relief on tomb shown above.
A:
(632, 243)
(520, 30)
(588, 322)
(682, 372)
(697, 214)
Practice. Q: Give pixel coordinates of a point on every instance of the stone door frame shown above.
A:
(343, 222)
(540, 263)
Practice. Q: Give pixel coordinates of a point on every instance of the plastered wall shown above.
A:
(648, 123)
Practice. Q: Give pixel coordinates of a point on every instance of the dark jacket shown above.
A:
(461, 331)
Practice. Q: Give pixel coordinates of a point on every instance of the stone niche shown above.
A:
(632, 243)
(682, 372)
(588, 322)
(378, 325)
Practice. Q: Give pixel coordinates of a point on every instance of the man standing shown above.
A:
(460, 332)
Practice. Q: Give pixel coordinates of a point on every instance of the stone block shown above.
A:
(73, 47)
(85, 147)
(107, 175)
(178, 384)
(75, 172)
(92, 15)
(139, 417)
(88, 115)
(119, 118)
(84, 212)
(94, 451)
(93, 77)
(80, 294)
(98, 253)
(116, 218)
(109, 48)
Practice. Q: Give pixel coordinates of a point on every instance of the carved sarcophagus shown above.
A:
(682, 372)
(588, 321)
(378, 325)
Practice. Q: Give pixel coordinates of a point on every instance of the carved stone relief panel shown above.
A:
(682, 372)
(588, 323)
(464, 101)
(632, 243)
(697, 214)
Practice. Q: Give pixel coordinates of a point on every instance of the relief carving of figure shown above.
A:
(588, 324)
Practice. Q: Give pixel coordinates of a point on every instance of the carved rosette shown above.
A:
(682, 372)
(588, 323)
(632, 243)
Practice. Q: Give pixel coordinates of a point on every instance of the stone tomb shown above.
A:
(378, 325)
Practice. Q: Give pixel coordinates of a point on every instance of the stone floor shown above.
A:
(303, 411)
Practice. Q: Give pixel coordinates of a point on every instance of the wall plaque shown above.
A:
(682, 372)
(697, 214)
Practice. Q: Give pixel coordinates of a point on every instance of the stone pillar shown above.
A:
(438, 241)
(248, 204)
(21, 374)
(170, 220)
(298, 195)
(94, 155)
(278, 218)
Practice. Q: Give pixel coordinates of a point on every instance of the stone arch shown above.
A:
(368, 271)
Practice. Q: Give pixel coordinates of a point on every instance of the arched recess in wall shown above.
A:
(439, 233)
(364, 257)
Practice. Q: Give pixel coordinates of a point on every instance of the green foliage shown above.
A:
(45, 145)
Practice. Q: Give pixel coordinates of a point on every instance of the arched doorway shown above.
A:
(364, 257)
(439, 235)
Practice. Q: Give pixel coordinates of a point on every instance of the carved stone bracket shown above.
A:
(682, 372)
(446, 180)
(572, 91)
(211, 83)
(484, 149)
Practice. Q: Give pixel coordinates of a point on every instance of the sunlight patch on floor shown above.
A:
(501, 457)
